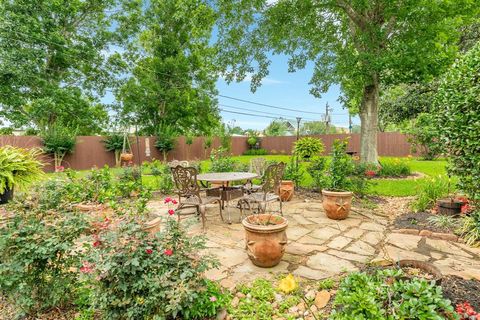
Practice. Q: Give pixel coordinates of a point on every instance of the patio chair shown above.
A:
(257, 166)
(269, 191)
(188, 191)
(175, 163)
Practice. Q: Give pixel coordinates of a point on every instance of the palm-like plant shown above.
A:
(19, 167)
(59, 141)
(114, 143)
(166, 141)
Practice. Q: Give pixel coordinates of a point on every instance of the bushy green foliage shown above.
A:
(308, 147)
(432, 190)
(443, 221)
(37, 257)
(316, 170)
(6, 131)
(424, 136)
(59, 141)
(19, 167)
(114, 142)
(341, 167)
(387, 294)
(458, 120)
(136, 275)
(395, 168)
(252, 141)
(163, 176)
(470, 229)
(293, 171)
(255, 152)
(222, 161)
(166, 140)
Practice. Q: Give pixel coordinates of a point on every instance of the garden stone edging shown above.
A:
(430, 234)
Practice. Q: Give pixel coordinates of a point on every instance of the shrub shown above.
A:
(424, 137)
(458, 119)
(308, 147)
(293, 171)
(6, 131)
(59, 141)
(387, 294)
(18, 167)
(470, 229)
(221, 161)
(166, 141)
(252, 141)
(37, 257)
(316, 170)
(114, 143)
(394, 168)
(136, 275)
(255, 152)
(432, 190)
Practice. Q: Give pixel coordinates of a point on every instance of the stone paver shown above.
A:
(319, 247)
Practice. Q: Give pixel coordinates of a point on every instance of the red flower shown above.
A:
(148, 251)
(168, 252)
(171, 212)
(59, 168)
(174, 201)
(370, 173)
(168, 199)
(97, 243)
(86, 267)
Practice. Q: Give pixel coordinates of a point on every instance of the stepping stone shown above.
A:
(302, 220)
(311, 240)
(339, 242)
(371, 226)
(216, 274)
(329, 263)
(349, 256)
(354, 233)
(295, 233)
(395, 254)
(312, 274)
(303, 249)
(446, 247)
(325, 233)
(230, 257)
(404, 241)
(373, 238)
(361, 247)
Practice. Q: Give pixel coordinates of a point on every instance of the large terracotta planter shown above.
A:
(265, 244)
(153, 226)
(286, 190)
(337, 204)
(6, 196)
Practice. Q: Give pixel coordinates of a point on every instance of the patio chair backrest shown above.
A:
(273, 177)
(175, 163)
(257, 165)
(185, 180)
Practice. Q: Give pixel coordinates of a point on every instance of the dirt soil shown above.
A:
(417, 221)
(459, 290)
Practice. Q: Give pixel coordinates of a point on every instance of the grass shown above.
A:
(384, 187)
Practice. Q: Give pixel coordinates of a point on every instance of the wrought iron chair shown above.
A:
(175, 163)
(188, 191)
(269, 191)
(257, 166)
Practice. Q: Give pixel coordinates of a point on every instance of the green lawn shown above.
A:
(385, 187)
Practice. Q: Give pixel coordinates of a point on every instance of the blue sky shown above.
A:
(283, 89)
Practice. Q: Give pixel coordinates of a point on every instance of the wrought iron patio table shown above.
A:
(226, 192)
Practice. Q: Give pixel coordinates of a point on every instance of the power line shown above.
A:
(263, 112)
(248, 114)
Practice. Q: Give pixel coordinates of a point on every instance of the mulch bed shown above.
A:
(459, 290)
(417, 221)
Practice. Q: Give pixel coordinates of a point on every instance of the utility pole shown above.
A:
(327, 117)
(298, 127)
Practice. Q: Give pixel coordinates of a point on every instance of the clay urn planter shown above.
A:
(126, 157)
(286, 190)
(6, 196)
(337, 204)
(265, 238)
(449, 207)
(153, 226)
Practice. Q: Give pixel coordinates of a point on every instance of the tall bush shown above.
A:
(59, 141)
(424, 136)
(457, 103)
(166, 141)
(308, 147)
(114, 142)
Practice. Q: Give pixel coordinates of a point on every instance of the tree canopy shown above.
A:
(359, 44)
(53, 66)
(172, 80)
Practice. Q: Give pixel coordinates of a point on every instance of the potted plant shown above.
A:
(265, 238)
(308, 147)
(337, 199)
(114, 143)
(59, 141)
(292, 176)
(18, 167)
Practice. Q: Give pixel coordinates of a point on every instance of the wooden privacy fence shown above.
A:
(90, 150)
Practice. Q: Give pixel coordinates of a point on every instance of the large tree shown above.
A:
(362, 45)
(172, 80)
(53, 62)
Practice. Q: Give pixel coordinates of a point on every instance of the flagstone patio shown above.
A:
(319, 248)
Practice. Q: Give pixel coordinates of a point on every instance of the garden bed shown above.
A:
(459, 290)
(418, 221)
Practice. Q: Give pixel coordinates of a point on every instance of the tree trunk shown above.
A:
(369, 123)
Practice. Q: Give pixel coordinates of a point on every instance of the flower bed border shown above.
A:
(430, 234)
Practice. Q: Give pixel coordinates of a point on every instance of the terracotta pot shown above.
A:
(286, 190)
(265, 244)
(6, 196)
(96, 210)
(337, 204)
(126, 157)
(450, 207)
(153, 226)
